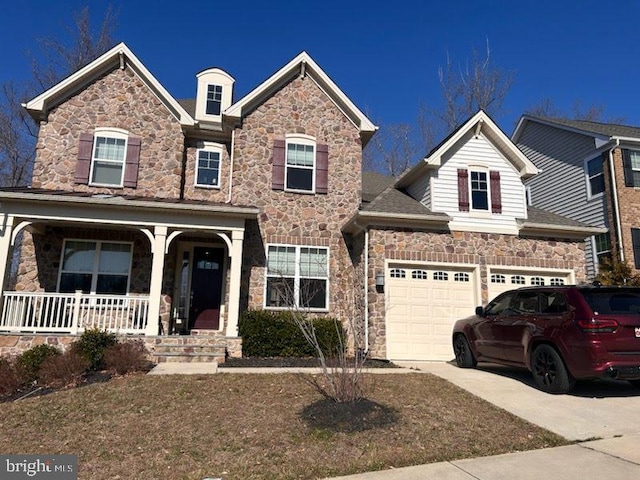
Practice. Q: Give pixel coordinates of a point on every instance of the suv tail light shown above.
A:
(598, 325)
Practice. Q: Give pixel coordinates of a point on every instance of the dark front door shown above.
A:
(206, 288)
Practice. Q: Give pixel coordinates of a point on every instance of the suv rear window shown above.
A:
(613, 301)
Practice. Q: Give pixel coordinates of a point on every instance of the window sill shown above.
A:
(105, 185)
(302, 192)
(299, 310)
(207, 187)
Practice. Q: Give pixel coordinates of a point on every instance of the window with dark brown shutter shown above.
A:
(463, 190)
(277, 180)
(496, 196)
(83, 165)
(322, 168)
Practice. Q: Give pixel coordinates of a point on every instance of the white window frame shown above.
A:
(95, 271)
(596, 252)
(211, 148)
(306, 140)
(297, 277)
(589, 177)
(484, 171)
(115, 133)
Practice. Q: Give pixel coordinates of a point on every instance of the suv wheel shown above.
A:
(462, 350)
(549, 371)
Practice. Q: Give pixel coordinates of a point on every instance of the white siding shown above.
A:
(468, 152)
(421, 190)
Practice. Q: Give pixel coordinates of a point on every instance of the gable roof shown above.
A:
(480, 122)
(303, 65)
(605, 131)
(118, 57)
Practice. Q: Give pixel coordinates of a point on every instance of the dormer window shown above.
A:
(214, 99)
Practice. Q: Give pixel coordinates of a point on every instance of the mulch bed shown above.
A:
(293, 362)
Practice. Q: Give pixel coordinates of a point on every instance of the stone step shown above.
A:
(189, 349)
(189, 358)
(184, 340)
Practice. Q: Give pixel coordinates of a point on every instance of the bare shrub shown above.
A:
(63, 370)
(126, 357)
(12, 377)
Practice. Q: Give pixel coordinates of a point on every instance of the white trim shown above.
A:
(212, 148)
(585, 168)
(300, 139)
(297, 276)
(40, 104)
(479, 169)
(537, 270)
(115, 133)
(239, 109)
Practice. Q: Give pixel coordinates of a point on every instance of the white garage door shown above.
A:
(422, 305)
(501, 280)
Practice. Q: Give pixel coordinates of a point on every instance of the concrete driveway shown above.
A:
(602, 409)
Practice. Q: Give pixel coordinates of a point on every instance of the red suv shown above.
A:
(559, 333)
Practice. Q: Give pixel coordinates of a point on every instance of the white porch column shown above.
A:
(5, 248)
(237, 237)
(157, 270)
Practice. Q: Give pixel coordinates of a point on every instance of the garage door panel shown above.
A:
(423, 330)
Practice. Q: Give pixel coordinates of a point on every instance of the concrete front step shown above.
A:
(189, 349)
(189, 358)
(184, 340)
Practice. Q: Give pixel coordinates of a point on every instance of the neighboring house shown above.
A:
(156, 217)
(450, 234)
(590, 173)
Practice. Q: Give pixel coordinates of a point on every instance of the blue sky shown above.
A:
(383, 55)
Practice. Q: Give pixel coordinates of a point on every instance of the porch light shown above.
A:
(380, 280)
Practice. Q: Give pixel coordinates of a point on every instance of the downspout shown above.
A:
(616, 207)
(231, 158)
(366, 289)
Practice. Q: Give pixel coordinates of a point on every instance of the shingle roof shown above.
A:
(189, 104)
(392, 200)
(373, 184)
(609, 129)
(542, 217)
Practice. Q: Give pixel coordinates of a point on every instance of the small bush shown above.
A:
(126, 357)
(30, 360)
(92, 344)
(63, 370)
(12, 377)
(276, 334)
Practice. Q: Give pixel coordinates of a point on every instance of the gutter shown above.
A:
(550, 229)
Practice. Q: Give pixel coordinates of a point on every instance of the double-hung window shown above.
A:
(602, 244)
(297, 276)
(595, 176)
(300, 163)
(208, 166)
(214, 99)
(108, 157)
(95, 267)
(479, 190)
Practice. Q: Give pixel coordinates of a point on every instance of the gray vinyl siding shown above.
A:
(561, 187)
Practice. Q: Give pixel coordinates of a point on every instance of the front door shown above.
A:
(206, 288)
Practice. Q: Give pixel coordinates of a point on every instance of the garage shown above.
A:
(423, 302)
(503, 279)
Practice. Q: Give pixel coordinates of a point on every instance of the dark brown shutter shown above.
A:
(628, 170)
(277, 180)
(83, 165)
(322, 168)
(463, 190)
(496, 197)
(132, 162)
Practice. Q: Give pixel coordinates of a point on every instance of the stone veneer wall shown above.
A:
(295, 218)
(629, 207)
(120, 100)
(463, 248)
(191, 191)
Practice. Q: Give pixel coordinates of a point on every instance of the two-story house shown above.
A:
(166, 219)
(591, 173)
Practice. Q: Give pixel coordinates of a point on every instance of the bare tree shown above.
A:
(478, 84)
(56, 60)
(578, 111)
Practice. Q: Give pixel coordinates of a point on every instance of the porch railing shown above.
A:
(73, 312)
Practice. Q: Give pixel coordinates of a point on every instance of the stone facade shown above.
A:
(468, 248)
(298, 218)
(118, 100)
(218, 194)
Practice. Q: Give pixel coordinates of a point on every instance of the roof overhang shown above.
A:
(118, 57)
(303, 65)
(561, 231)
(364, 219)
(479, 123)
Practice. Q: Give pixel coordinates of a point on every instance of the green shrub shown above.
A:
(30, 360)
(92, 344)
(63, 370)
(276, 334)
(126, 357)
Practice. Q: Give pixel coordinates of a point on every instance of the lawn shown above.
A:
(239, 426)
